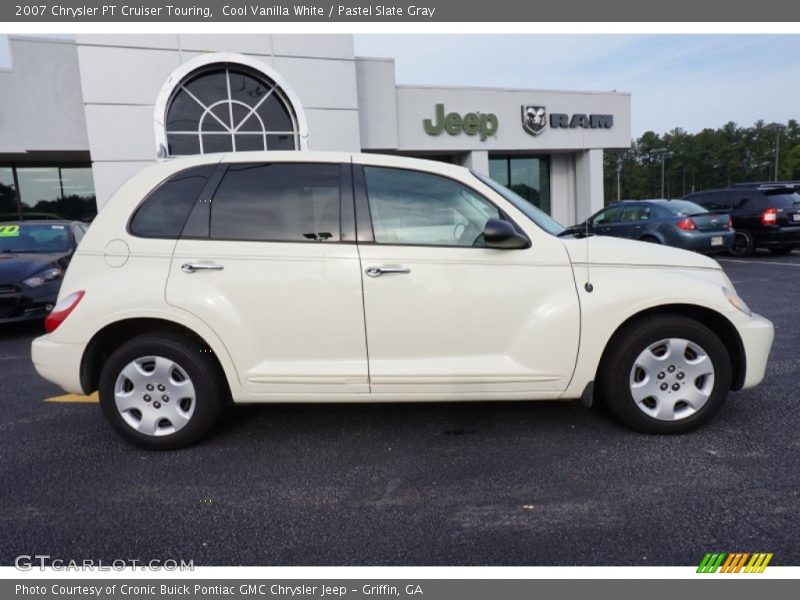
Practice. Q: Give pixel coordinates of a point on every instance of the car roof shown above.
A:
(41, 222)
(648, 200)
(759, 186)
(314, 156)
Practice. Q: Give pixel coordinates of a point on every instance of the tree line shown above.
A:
(711, 158)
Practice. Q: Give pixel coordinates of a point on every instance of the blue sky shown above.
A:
(689, 81)
(675, 80)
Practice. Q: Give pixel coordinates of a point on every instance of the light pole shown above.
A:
(663, 152)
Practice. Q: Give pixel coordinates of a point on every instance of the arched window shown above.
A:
(226, 107)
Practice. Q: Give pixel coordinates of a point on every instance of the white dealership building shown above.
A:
(78, 117)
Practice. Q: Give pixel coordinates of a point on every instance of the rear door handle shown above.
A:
(378, 271)
(194, 267)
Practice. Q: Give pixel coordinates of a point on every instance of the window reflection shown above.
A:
(527, 176)
(48, 192)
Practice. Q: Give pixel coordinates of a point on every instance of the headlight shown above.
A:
(45, 276)
(737, 302)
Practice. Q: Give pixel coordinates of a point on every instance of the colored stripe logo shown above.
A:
(734, 562)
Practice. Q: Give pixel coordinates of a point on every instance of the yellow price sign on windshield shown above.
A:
(9, 230)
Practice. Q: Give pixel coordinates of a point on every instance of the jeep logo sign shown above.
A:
(534, 121)
(482, 124)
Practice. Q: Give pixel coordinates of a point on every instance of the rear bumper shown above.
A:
(757, 334)
(58, 362)
(778, 236)
(701, 241)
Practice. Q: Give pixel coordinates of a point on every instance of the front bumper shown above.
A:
(58, 362)
(757, 334)
(27, 304)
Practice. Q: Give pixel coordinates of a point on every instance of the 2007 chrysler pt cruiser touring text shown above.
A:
(310, 277)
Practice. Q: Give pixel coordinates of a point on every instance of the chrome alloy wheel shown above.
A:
(154, 395)
(672, 379)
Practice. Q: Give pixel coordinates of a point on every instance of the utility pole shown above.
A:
(663, 153)
(778, 128)
(619, 172)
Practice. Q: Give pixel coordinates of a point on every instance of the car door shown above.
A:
(446, 315)
(265, 262)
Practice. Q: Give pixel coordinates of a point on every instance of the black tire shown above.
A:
(743, 243)
(650, 239)
(204, 373)
(618, 362)
(782, 250)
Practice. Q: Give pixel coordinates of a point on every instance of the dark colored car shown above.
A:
(33, 258)
(676, 223)
(763, 214)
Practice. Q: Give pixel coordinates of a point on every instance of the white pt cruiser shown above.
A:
(306, 277)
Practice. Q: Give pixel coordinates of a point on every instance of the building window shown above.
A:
(228, 108)
(528, 176)
(47, 192)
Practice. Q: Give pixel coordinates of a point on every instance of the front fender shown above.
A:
(619, 293)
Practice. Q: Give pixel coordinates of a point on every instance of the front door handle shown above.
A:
(193, 267)
(378, 271)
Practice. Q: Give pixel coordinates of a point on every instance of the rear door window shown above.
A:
(279, 202)
(639, 212)
(714, 200)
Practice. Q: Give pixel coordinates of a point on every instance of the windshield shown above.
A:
(24, 237)
(538, 216)
(683, 208)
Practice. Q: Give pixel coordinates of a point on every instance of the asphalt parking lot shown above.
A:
(441, 484)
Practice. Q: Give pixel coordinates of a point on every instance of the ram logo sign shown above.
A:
(534, 120)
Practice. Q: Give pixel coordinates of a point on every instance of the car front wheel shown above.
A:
(161, 391)
(665, 375)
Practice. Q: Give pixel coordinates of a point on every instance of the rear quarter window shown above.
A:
(783, 200)
(165, 210)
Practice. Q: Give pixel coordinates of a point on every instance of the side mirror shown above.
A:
(502, 235)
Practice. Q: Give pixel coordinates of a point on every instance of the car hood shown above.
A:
(16, 267)
(603, 250)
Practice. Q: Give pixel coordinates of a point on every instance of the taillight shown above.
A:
(730, 222)
(769, 216)
(61, 311)
(686, 224)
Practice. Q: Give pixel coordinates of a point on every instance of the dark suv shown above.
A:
(763, 214)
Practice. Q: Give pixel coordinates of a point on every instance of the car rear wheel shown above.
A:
(650, 239)
(161, 392)
(666, 375)
(782, 250)
(743, 243)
